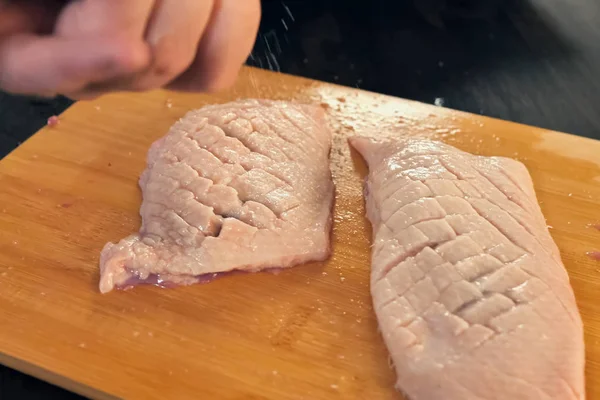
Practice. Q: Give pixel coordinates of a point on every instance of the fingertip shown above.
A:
(206, 82)
(129, 56)
(225, 47)
(30, 64)
(221, 82)
(110, 58)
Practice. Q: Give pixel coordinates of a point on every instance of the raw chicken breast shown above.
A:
(239, 186)
(469, 289)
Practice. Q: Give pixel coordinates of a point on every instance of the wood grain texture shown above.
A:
(307, 333)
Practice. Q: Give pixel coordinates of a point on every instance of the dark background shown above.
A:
(529, 61)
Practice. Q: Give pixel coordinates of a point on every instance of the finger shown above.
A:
(31, 64)
(105, 17)
(225, 46)
(92, 17)
(169, 30)
(173, 33)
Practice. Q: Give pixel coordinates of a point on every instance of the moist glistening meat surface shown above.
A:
(471, 296)
(238, 186)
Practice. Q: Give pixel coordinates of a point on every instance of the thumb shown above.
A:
(31, 64)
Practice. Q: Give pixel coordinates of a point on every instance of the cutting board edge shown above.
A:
(35, 370)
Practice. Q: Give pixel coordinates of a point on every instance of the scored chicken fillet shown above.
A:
(469, 289)
(238, 186)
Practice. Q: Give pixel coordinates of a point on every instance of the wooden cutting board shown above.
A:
(307, 333)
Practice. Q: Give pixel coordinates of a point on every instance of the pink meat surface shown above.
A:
(243, 186)
(468, 286)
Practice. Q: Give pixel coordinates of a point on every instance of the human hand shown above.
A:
(86, 48)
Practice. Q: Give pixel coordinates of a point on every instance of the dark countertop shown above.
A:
(531, 61)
